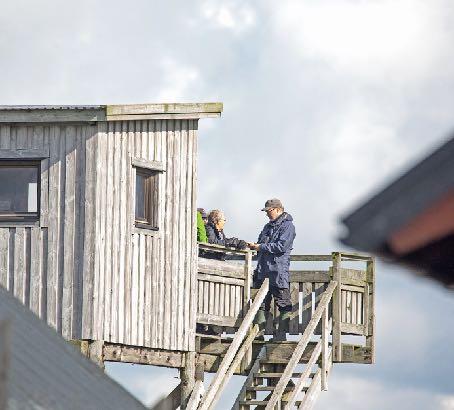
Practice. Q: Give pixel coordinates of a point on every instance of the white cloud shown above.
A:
(446, 402)
(232, 15)
(381, 39)
(177, 79)
(354, 393)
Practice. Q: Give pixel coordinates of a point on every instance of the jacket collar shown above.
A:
(281, 218)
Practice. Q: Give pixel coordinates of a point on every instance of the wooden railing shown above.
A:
(224, 292)
(224, 286)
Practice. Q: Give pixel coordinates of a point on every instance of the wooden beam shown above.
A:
(220, 268)
(353, 277)
(52, 115)
(312, 276)
(151, 165)
(352, 329)
(355, 256)
(316, 258)
(166, 108)
(135, 117)
(220, 279)
(356, 354)
(24, 153)
(226, 321)
(142, 355)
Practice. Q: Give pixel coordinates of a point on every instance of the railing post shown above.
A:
(370, 320)
(325, 333)
(247, 299)
(337, 300)
(247, 279)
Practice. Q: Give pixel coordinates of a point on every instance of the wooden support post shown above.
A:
(370, 309)
(247, 300)
(4, 362)
(187, 376)
(94, 351)
(337, 348)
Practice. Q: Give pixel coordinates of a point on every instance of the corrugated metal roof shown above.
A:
(50, 107)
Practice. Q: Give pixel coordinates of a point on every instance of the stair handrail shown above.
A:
(236, 362)
(232, 351)
(313, 389)
(301, 346)
(196, 395)
(318, 350)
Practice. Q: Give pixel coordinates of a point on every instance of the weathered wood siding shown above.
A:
(145, 281)
(85, 268)
(46, 264)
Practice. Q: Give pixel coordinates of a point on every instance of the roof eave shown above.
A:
(163, 111)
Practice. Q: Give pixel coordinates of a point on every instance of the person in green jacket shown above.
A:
(201, 231)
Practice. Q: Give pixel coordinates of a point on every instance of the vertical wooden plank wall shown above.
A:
(46, 265)
(145, 280)
(84, 268)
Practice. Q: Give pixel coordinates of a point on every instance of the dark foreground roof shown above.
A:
(403, 208)
(40, 370)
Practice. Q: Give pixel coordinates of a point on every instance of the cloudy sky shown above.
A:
(324, 103)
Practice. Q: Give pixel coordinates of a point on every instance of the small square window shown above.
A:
(146, 198)
(19, 190)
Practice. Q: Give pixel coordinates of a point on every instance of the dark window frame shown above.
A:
(150, 207)
(23, 216)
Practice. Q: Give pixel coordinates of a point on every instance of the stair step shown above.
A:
(266, 388)
(274, 375)
(253, 403)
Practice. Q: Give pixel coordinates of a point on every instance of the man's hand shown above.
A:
(253, 245)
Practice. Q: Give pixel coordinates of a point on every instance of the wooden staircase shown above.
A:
(265, 374)
(274, 380)
(291, 374)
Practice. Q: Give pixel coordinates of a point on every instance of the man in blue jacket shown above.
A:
(274, 245)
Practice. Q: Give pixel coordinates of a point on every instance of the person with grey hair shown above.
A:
(216, 235)
(274, 245)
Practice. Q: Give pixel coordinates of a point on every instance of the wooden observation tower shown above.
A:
(98, 239)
